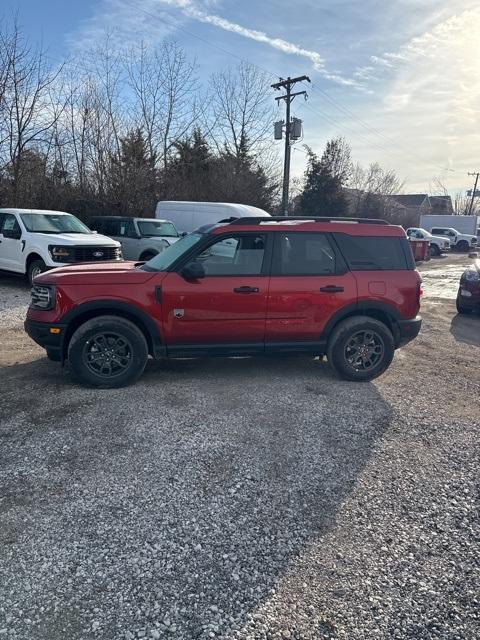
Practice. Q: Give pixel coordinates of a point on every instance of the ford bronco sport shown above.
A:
(343, 287)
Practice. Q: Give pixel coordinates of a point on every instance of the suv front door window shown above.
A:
(228, 304)
(309, 282)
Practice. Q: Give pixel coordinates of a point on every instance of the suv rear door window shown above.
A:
(304, 254)
(375, 253)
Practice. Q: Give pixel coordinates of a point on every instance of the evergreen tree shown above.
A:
(325, 178)
(132, 178)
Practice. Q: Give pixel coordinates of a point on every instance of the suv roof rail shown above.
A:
(252, 220)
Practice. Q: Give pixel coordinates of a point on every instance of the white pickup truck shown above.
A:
(33, 240)
(458, 241)
(438, 245)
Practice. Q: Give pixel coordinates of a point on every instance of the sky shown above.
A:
(399, 80)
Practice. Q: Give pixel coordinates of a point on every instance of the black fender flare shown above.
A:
(114, 307)
(363, 308)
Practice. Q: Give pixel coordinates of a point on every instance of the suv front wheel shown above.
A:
(108, 352)
(360, 348)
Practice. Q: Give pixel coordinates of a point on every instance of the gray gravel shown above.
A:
(242, 499)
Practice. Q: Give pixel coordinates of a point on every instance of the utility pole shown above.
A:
(288, 97)
(473, 192)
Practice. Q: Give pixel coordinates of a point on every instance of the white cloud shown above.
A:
(195, 11)
(432, 100)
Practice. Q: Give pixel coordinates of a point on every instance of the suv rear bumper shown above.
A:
(41, 333)
(409, 330)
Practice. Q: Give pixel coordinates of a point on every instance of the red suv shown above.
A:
(343, 287)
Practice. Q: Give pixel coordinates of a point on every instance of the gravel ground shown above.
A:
(243, 499)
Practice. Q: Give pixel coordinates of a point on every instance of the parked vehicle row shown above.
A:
(347, 288)
(32, 241)
(438, 244)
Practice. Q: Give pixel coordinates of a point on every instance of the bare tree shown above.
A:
(241, 109)
(164, 84)
(27, 114)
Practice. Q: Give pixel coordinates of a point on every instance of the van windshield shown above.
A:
(164, 260)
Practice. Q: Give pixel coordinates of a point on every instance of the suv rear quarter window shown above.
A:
(305, 254)
(375, 253)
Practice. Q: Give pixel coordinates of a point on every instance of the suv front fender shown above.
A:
(77, 316)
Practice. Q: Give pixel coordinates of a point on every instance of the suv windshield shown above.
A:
(167, 257)
(151, 228)
(53, 223)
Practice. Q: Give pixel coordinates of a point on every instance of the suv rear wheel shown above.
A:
(108, 352)
(360, 348)
(434, 250)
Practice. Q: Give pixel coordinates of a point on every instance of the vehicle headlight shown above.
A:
(471, 275)
(42, 297)
(61, 253)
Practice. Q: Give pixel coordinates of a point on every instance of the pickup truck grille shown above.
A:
(97, 254)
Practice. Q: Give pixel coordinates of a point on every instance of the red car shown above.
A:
(343, 287)
(468, 297)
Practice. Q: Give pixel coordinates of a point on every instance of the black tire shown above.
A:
(434, 250)
(461, 309)
(145, 257)
(350, 336)
(107, 352)
(462, 246)
(35, 268)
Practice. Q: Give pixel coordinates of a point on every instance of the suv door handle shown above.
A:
(246, 290)
(331, 288)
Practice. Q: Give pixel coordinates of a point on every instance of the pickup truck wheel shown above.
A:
(462, 246)
(108, 352)
(145, 257)
(434, 250)
(35, 268)
(360, 348)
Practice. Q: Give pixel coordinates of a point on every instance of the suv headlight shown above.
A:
(61, 253)
(42, 297)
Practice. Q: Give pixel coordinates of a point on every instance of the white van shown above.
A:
(188, 216)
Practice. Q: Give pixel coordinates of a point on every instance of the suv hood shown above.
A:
(91, 273)
(85, 239)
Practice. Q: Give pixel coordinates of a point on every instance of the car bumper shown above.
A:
(46, 334)
(408, 330)
(469, 299)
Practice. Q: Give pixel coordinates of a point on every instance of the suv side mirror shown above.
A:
(183, 234)
(13, 234)
(193, 271)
